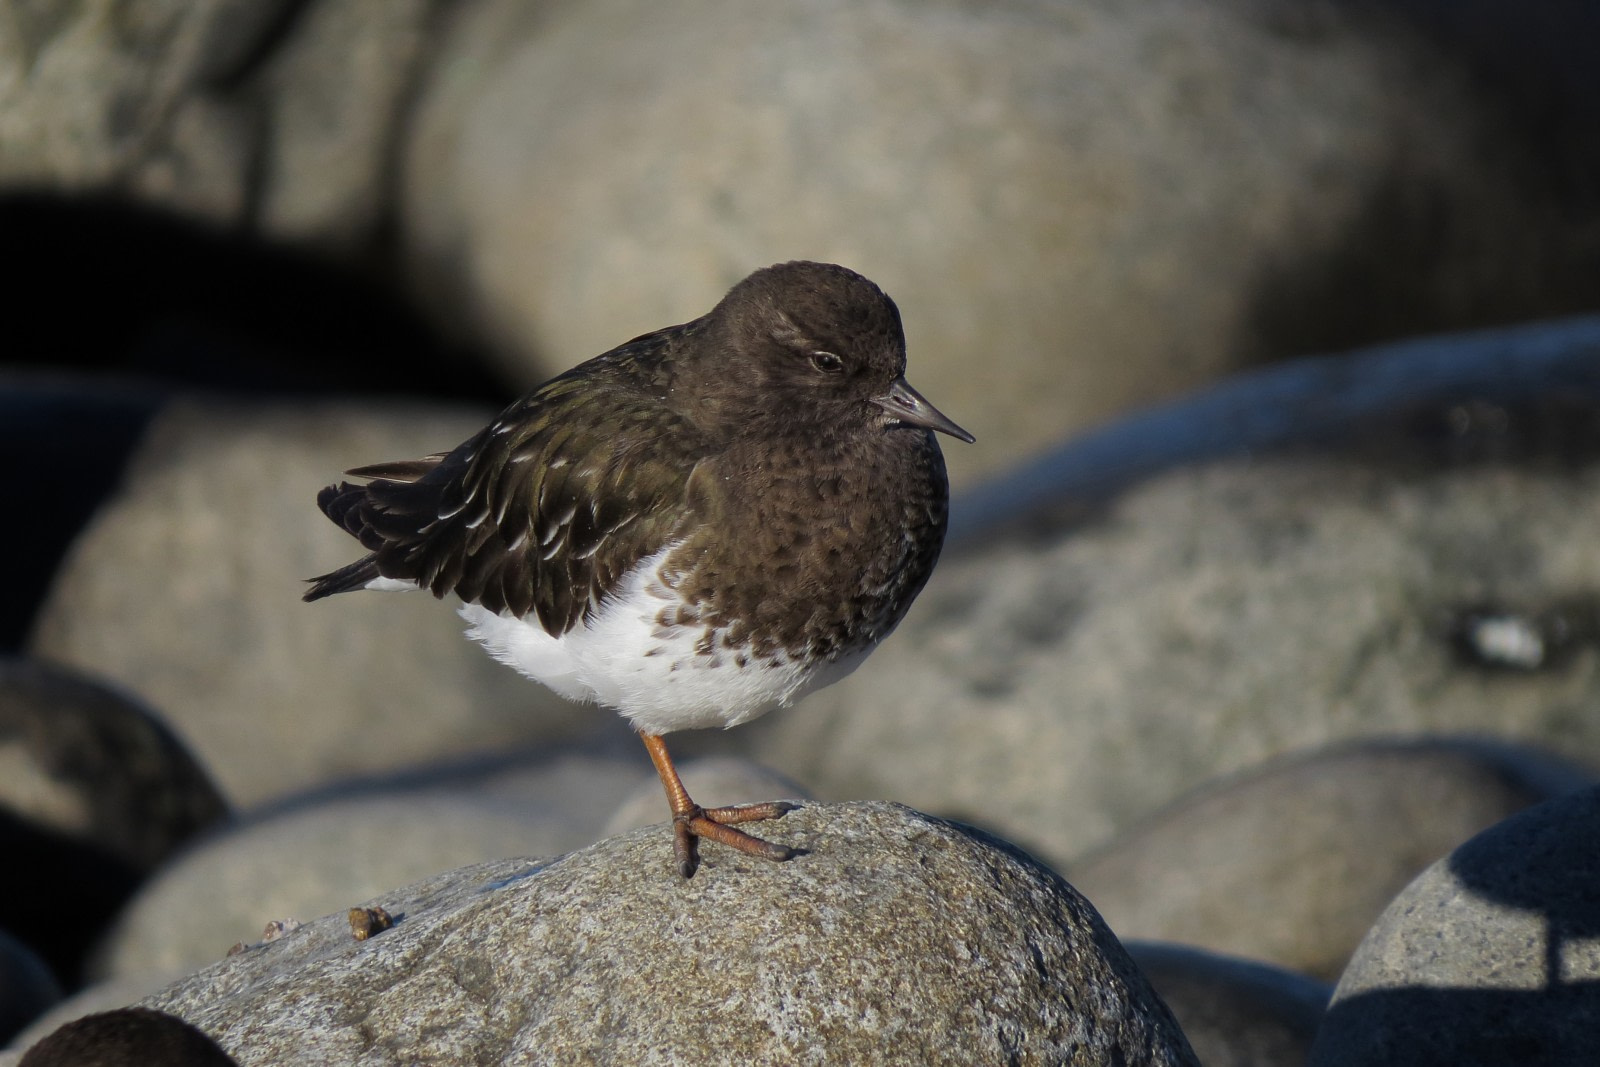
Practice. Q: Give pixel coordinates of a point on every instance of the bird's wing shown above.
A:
(546, 509)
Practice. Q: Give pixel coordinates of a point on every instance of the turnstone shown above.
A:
(703, 524)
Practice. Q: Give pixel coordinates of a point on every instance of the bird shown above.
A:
(698, 526)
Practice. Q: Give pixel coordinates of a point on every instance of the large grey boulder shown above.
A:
(1492, 956)
(897, 938)
(1079, 206)
(272, 113)
(322, 853)
(1291, 863)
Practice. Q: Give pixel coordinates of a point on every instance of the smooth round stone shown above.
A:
(1079, 206)
(90, 763)
(896, 939)
(1290, 863)
(1491, 956)
(1063, 684)
(120, 992)
(1235, 1012)
(127, 1037)
(95, 792)
(325, 854)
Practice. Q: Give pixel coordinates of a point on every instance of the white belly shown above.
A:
(655, 676)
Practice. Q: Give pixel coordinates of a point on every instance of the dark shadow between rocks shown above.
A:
(60, 893)
(104, 284)
(112, 307)
(1556, 1027)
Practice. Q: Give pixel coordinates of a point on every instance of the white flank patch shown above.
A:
(655, 678)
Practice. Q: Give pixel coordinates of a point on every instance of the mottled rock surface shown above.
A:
(896, 939)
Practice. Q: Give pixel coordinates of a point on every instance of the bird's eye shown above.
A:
(827, 362)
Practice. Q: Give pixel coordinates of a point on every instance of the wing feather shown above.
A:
(546, 509)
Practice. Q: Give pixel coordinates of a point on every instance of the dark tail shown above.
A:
(343, 503)
(355, 507)
(351, 577)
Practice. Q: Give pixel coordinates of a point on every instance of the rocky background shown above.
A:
(1270, 619)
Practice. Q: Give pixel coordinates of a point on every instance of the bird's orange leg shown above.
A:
(690, 821)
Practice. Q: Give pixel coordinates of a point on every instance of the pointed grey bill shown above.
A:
(907, 405)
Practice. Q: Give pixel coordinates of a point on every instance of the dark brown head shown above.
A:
(806, 345)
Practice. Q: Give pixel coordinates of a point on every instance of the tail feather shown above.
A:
(344, 580)
(377, 513)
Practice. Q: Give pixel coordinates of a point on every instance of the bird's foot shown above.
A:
(717, 824)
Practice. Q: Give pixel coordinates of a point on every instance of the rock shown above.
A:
(27, 988)
(1292, 862)
(713, 782)
(337, 94)
(87, 88)
(897, 938)
(1083, 216)
(94, 793)
(1058, 686)
(186, 590)
(1491, 956)
(1235, 1012)
(326, 853)
(93, 764)
(273, 114)
(127, 1037)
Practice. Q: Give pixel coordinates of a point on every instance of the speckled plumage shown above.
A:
(765, 465)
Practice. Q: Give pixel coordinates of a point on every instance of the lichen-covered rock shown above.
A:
(897, 938)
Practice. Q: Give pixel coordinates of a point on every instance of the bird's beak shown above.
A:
(907, 405)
